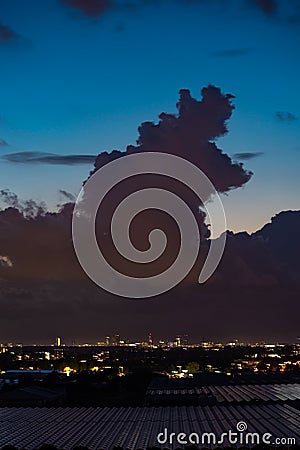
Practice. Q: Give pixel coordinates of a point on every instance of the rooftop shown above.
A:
(137, 428)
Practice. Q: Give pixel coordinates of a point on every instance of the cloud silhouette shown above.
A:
(231, 52)
(48, 158)
(45, 277)
(3, 143)
(28, 208)
(268, 7)
(190, 134)
(7, 35)
(256, 273)
(67, 195)
(285, 116)
(90, 8)
(247, 155)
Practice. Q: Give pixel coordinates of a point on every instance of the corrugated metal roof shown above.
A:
(237, 393)
(137, 428)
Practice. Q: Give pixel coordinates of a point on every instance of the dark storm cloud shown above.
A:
(285, 116)
(189, 134)
(231, 52)
(7, 35)
(90, 8)
(48, 158)
(44, 291)
(244, 156)
(38, 242)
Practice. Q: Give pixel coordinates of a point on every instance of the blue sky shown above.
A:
(74, 84)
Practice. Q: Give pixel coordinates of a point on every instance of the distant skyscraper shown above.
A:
(150, 340)
(58, 342)
(107, 340)
(177, 341)
(117, 339)
(185, 340)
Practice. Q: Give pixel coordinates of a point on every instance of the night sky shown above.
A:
(77, 79)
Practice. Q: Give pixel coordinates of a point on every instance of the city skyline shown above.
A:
(179, 340)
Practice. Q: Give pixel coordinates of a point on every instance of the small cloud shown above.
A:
(120, 27)
(231, 52)
(67, 195)
(29, 208)
(90, 8)
(247, 155)
(7, 35)
(3, 143)
(9, 38)
(285, 116)
(48, 158)
(268, 7)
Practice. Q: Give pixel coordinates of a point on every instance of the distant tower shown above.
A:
(178, 341)
(58, 342)
(107, 340)
(185, 340)
(150, 340)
